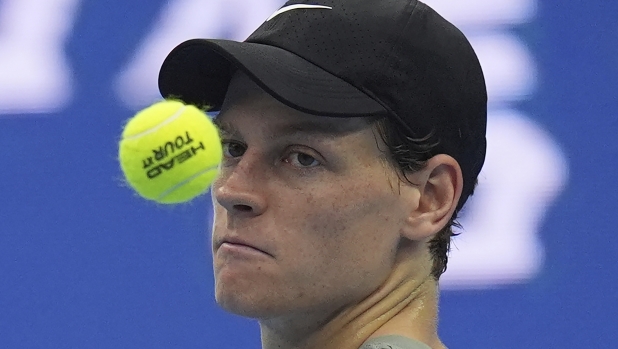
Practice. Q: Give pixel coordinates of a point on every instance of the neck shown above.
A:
(405, 304)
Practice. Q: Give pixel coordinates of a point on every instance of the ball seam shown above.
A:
(187, 180)
(158, 126)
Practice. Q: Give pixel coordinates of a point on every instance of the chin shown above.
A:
(244, 304)
(243, 295)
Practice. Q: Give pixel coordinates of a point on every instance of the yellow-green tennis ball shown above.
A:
(170, 152)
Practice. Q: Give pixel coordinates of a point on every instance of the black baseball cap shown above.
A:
(352, 58)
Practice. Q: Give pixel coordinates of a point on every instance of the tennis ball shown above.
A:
(170, 152)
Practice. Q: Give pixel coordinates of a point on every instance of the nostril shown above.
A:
(242, 208)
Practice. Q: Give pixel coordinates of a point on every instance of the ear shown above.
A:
(439, 185)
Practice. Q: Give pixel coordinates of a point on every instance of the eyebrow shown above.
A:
(301, 128)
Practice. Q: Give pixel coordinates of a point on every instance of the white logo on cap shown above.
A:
(295, 7)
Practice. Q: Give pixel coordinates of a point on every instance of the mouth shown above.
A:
(240, 246)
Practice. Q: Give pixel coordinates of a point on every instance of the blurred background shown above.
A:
(85, 263)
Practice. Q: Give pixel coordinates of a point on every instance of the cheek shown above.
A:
(351, 209)
(353, 223)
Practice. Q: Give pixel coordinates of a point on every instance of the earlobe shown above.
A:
(439, 184)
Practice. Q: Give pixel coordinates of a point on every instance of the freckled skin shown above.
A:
(332, 230)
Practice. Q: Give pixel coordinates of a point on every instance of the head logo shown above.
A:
(296, 7)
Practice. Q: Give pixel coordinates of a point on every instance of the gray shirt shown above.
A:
(393, 342)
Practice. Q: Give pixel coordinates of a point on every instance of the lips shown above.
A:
(233, 240)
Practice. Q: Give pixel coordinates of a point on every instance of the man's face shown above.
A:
(315, 199)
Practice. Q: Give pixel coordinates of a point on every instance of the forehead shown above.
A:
(246, 101)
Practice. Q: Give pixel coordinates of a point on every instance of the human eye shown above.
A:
(232, 149)
(302, 160)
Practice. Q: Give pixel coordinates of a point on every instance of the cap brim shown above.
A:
(198, 72)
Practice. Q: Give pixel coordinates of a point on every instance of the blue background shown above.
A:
(87, 264)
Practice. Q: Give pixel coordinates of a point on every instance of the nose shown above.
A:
(239, 189)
